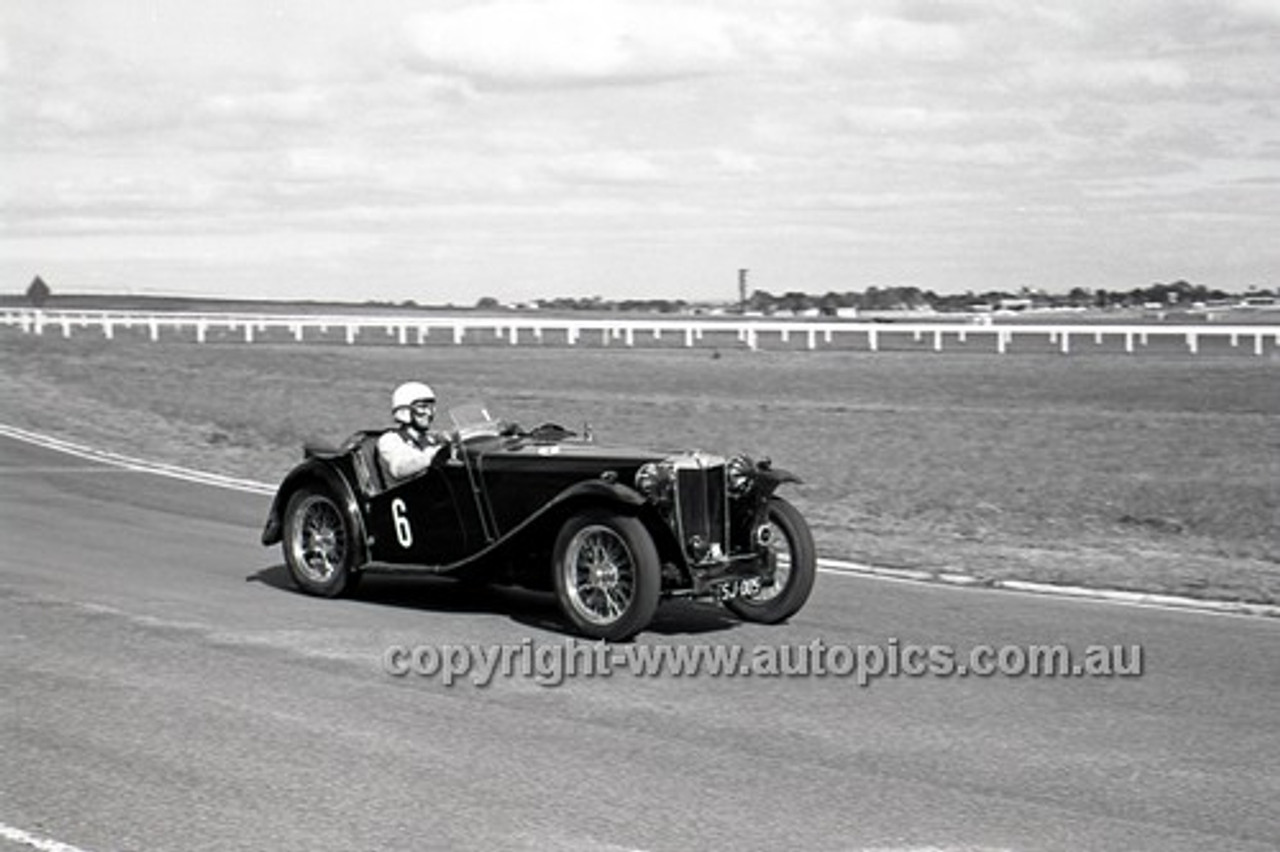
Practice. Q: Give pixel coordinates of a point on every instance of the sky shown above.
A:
(445, 151)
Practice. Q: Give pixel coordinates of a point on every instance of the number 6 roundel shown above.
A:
(404, 532)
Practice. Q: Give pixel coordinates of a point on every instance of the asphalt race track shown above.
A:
(164, 688)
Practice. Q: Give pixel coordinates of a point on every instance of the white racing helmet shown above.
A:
(406, 395)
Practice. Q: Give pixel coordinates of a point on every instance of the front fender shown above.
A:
(599, 489)
(590, 492)
(768, 480)
(599, 492)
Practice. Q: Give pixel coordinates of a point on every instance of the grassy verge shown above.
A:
(1157, 474)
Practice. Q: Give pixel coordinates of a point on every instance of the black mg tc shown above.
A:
(610, 531)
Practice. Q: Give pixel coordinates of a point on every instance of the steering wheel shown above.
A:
(550, 432)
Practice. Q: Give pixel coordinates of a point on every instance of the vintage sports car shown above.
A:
(610, 531)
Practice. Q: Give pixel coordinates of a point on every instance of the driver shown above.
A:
(409, 448)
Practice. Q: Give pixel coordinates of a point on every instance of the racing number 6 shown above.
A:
(404, 532)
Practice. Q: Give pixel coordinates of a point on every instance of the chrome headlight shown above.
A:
(740, 473)
(654, 481)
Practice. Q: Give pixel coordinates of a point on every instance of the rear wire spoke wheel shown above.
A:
(319, 545)
(607, 575)
(792, 553)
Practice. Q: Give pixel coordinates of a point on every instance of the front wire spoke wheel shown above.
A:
(779, 557)
(601, 569)
(607, 574)
(792, 556)
(615, 602)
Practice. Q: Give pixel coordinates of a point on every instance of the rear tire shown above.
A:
(607, 575)
(319, 544)
(793, 553)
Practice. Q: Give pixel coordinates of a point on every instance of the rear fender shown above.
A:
(315, 472)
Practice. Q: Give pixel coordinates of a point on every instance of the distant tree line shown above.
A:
(595, 303)
(1177, 293)
(914, 298)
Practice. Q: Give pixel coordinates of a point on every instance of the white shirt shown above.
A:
(402, 453)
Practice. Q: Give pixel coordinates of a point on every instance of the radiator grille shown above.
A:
(702, 503)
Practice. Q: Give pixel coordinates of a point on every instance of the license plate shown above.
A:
(739, 589)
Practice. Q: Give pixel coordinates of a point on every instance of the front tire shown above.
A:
(319, 544)
(607, 575)
(795, 567)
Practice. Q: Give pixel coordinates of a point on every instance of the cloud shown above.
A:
(607, 167)
(1116, 77)
(951, 153)
(301, 106)
(571, 42)
(64, 117)
(925, 41)
(1261, 10)
(65, 114)
(891, 120)
(734, 162)
(324, 165)
(86, 202)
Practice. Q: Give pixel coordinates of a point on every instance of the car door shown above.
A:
(421, 521)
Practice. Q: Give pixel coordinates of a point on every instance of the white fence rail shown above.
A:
(689, 332)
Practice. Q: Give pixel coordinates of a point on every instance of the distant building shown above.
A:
(1015, 304)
